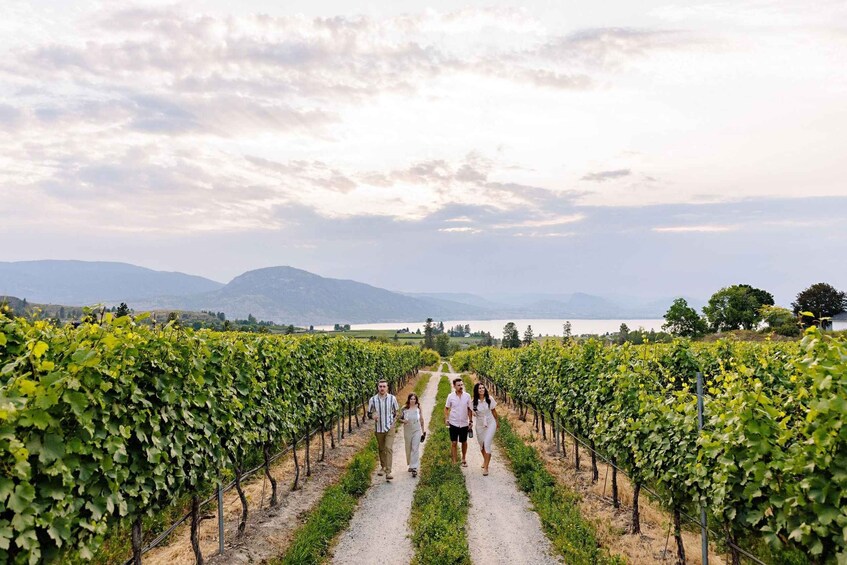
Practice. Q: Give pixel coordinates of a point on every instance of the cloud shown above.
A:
(460, 230)
(695, 229)
(10, 116)
(167, 119)
(536, 234)
(603, 176)
(543, 222)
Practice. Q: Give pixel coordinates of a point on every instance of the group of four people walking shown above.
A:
(460, 409)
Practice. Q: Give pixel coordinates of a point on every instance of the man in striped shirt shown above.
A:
(383, 408)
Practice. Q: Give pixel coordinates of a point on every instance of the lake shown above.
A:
(539, 326)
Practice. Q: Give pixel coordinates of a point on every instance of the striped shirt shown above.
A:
(384, 411)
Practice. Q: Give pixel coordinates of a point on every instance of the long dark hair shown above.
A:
(409, 399)
(476, 396)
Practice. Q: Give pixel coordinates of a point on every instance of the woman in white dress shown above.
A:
(413, 424)
(486, 418)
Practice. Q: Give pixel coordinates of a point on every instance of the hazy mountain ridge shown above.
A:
(89, 282)
(286, 294)
(289, 295)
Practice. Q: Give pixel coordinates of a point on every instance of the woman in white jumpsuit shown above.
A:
(413, 424)
(485, 416)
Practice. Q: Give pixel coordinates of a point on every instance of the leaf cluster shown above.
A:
(107, 423)
(771, 460)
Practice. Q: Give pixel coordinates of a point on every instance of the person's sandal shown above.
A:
(485, 473)
(464, 463)
(389, 476)
(414, 473)
(380, 472)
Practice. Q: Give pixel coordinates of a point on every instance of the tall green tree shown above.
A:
(821, 299)
(528, 336)
(736, 307)
(511, 338)
(123, 310)
(567, 332)
(682, 320)
(429, 334)
(623, 334)
(442, 344)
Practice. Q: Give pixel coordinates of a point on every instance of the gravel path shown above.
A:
(502, 526)
(379, 531)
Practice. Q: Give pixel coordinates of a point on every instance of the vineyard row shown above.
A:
(104, 425)
(771, 461)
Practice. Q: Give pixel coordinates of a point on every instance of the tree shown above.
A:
(251, 319)
(780, 320)
(566, 328)
(822, 300)
(528, 336)
(623, 334)
(737, 306)
(442, 344)
(440, 328)
(682, 320)
(429, 339)
(511, 339)
(123, 310)
(173, 319)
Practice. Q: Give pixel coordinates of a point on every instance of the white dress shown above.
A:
(412, 436)
(485, 424)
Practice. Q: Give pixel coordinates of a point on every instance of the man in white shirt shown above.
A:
(383, 408)
(459, 417)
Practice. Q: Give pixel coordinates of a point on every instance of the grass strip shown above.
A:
(574, 537)
(440, 505)
(335, 510)
(420, 387)
(445, 368)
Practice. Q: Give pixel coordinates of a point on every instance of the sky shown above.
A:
(646, 148)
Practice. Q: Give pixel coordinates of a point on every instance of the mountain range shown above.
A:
(288, 295)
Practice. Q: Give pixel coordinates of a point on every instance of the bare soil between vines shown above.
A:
(269, 531)
(653, 544)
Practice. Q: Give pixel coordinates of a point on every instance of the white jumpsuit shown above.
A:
(486, 424)
(412, 436)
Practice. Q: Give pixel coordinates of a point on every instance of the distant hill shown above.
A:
(289, 295)
(294, 296)
(582, 305)
(91, 282)
(461, 298)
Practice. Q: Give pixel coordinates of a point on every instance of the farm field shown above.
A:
(110, 430)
